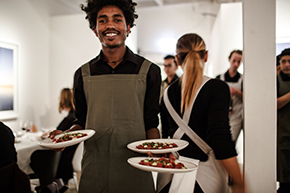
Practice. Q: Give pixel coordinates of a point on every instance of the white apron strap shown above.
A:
(182, 124)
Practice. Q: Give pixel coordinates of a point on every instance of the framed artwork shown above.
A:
(8, 80)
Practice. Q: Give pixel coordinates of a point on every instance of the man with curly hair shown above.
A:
(117, 95)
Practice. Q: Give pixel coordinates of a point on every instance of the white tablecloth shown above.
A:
(27, 145)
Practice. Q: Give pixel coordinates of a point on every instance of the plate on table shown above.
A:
(134, 161)
(181, 144)
(56, 145)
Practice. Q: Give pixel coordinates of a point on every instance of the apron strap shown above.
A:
(86, 70)
(144, 67)
(183, 125)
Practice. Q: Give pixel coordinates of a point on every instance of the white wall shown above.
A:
(227, 35)
(26, 24)
(171, 22)
(282, 21)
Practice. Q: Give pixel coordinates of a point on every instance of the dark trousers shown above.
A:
(283, 188)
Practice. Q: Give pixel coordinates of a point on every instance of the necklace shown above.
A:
(114, 62)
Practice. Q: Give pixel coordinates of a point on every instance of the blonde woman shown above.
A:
(208, 118)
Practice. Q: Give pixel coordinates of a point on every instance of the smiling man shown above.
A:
(117, 95)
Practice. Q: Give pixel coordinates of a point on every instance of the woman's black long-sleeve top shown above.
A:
(208, 119)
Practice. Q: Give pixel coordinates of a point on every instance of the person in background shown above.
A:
(283, 123)
(65, 167)
(12, 178)
(235, 81)
(117, 95)
(208, 117)
(170, 67)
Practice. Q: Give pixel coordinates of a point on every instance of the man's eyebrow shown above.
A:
(102, 16)
(105, 16)
(117, 15)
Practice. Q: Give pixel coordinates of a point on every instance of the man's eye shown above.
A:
(102, 21)
(118, 20)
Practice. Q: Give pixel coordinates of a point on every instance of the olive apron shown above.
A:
(283, 135)
(236, 117)
(115, 111)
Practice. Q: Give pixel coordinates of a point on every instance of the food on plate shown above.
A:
(69, 136)
(163, 163)
(156, 145)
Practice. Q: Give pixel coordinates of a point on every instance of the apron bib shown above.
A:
(236, 118)
(283, 135)
(210, 175)
(115, 111)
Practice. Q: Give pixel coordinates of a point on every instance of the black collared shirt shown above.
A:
(173, 79)
(228, 78)
(130, 65)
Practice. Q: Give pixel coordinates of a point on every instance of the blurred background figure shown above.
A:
(65, 168)
(12, 179)
(283, 122)
(170, 67)
(235, 81)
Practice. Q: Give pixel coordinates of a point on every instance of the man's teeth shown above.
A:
(111, 34)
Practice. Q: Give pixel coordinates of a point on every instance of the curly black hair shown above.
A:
(94, 6)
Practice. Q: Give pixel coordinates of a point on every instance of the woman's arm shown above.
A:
(232, 166)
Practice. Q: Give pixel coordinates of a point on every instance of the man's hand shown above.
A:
(52, 136)
(54, 133)
(236, 92)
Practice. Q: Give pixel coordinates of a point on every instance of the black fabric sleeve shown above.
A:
(151, 102)
(67, 122)
(218, 132)
(79, 99)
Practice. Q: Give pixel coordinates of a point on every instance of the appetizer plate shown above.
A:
(48, 142)
(180, 143)
(134, 161)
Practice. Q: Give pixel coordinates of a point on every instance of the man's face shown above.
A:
(170, 67)
(235, 61)
(285, 64)
(111, 27)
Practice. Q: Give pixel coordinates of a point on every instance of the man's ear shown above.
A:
(95, 31)
(128, 30)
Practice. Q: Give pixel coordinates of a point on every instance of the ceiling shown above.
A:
(63, 7)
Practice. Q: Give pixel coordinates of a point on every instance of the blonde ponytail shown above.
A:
(190, 52)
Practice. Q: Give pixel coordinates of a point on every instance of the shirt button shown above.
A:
(113, 71)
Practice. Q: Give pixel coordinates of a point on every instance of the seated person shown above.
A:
(65, 168)
(12, 179)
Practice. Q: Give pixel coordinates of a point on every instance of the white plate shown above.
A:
(180, 143)
(48, 142)
(134, 161)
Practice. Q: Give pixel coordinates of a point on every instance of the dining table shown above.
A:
(25, 145)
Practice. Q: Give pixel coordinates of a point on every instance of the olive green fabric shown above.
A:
(283, 135)
(115, 111)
